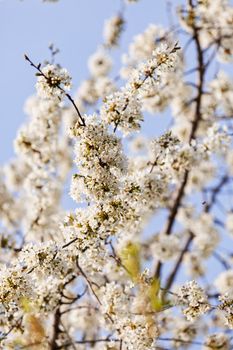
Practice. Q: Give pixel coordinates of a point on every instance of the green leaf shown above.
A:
(153, 293)
(130, 257)
(25, 304)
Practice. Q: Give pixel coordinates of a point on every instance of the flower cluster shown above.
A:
(112, 30)
(227, 307)
(53, 81)
(191, 295)
(100, 161)
(217, 341)
(122, 109)
(215, 21)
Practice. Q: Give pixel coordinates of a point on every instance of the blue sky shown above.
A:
(75, 26)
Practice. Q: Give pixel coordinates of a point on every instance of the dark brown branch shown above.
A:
(56, 329)
(89, 341)
(221, 260)
(58, 314)
(88, 281)
(70, 242)
(200, 79)
(172, 215)
(181, 341)
(196, 120)
(215, 192)
(178, 263)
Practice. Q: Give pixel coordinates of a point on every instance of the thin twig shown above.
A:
(37, 67)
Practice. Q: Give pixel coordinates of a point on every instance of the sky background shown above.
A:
(75, 26)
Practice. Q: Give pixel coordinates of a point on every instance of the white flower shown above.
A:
(99, 63)
(185, 332)
(227, 307)
(194, 265)
(165, 57)
(15, 285)
(100, 161)
(112, 30)
(222, 89)
(53, 82)
(37, 141)
(165, 247)
(87, 92)
(217, 341)
(224, 282)
(194, 297)
(143, 45)
(122, 109)
(104, 86)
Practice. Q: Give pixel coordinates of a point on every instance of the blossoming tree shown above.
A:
(92, 278)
